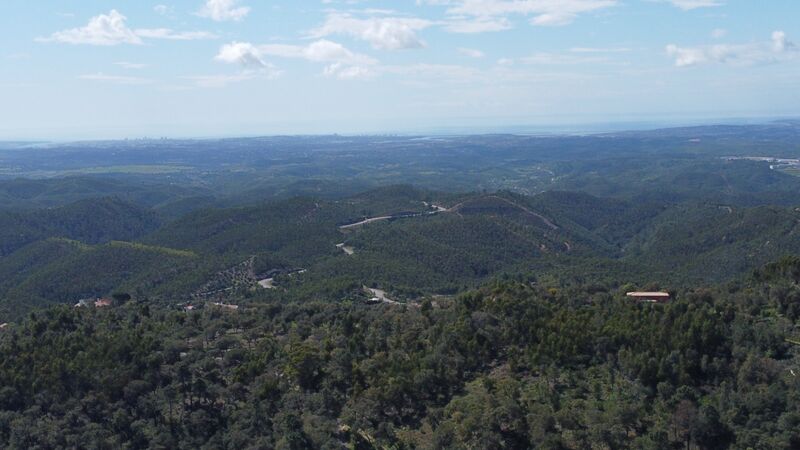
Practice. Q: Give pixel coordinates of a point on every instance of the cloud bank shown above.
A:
(777, 49)
(111, 29)
(341, 62)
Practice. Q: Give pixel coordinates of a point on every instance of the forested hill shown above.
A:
(509, 365)
(407, 241)
(57, 271)
(30, 194)
(90, 221)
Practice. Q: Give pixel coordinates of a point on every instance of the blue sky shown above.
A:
(132, 68)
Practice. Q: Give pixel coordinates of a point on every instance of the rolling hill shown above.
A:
(424, 243)
(91, 221)
(59, 271)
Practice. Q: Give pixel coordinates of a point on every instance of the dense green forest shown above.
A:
(513, 364)
(89, 221)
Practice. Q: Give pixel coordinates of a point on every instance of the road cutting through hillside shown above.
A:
(346, 249)
(440, 209)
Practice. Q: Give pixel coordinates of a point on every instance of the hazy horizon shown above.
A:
(555, 129)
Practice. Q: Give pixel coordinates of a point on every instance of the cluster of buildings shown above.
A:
(774, 163)
(96, 302)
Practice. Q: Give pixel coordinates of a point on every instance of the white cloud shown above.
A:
(719, 33)
(343, 72)
(322, 50)
(688, 5)
(115, 79)
(687, 56)
(111, 29)
(781, 44)
(471, 52)
(543, 12)
(778, 49)
(250, 57)
(342, 63)
(385, 33)
(104, 29)
(223, 10)
(243, 53)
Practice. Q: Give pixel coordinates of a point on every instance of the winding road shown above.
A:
(454, 209)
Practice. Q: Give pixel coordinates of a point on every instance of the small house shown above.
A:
(102, 302)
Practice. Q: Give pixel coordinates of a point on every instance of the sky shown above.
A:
(96, 69)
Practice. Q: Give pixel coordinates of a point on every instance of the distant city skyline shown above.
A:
(95, 69)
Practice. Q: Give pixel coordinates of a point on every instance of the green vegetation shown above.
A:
(28, 194)
(90, 221)
(58, 271)
(557, 235)
(507, 366)
(217, 306)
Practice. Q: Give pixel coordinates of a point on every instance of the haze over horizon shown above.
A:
(96, 70)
